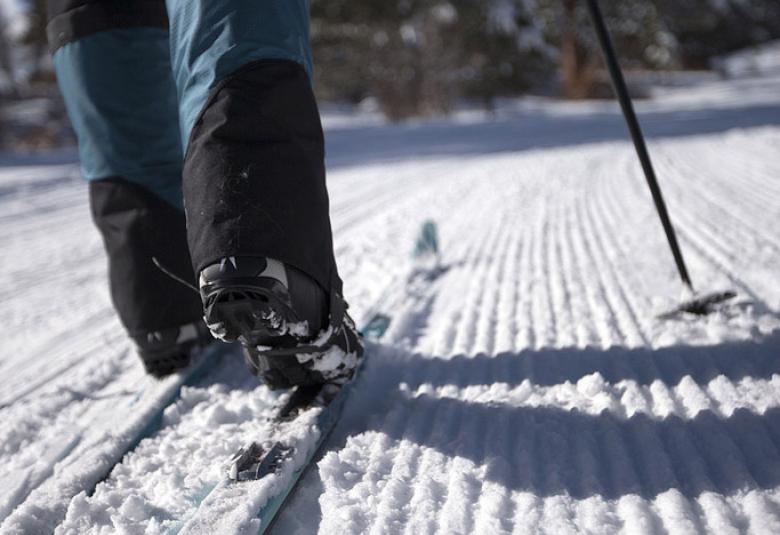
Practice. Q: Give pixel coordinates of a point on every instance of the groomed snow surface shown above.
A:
(529, 388)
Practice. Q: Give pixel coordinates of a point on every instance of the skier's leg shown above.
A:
(113, 66)
(254, 179)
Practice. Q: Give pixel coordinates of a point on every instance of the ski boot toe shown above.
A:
(167, 351)
(331, 358)
(281, 316)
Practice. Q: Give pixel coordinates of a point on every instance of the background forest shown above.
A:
(410, 58)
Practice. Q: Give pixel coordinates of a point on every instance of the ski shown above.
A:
(262, 475)
(160, 399)
(90, 458)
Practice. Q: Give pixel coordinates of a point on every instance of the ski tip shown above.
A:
(427, 243)
(700, 305)
(376, 327)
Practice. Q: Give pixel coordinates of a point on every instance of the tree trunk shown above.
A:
(576, 72)
(6, 65)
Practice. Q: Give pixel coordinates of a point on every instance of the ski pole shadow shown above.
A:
(552, 451)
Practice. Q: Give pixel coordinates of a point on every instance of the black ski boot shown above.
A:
(292, 333)
(167, 351)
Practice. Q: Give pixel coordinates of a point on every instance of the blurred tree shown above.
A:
(417, 56)
(504, 51)
(707, 28)
(637, 29)
(37, 42)
(392, 50)
(7, 84)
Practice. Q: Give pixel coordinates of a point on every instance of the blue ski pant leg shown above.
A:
(112, 60)
(113, 67)
(254, 175)
(212, 40)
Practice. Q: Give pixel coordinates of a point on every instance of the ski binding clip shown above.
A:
(252, 462)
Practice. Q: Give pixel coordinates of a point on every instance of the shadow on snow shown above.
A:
(552, 451)
(526, 130)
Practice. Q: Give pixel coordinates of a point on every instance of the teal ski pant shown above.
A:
(135, 74)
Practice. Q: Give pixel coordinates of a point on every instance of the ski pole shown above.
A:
(619, 84)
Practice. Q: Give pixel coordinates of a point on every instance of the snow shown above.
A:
(527, 388)
(756, 61)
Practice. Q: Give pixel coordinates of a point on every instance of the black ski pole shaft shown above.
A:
(619, 84)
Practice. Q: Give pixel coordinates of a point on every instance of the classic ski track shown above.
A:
(631, 332)
(601, 305)
(617, 213)
(709, 250)
(559, 255)
(57, 210)
(395, 513)
(37, 272)
(40, 374)
(632, 283)
(546, 253)
(751, 179)
(58, 396)
(467, 283)
(626, 281)
(728, 249)
(91, 407)
(442, 340)
(725, 216)
(379, 221)
(698, 234)
(407, 452)
(92, 455)
(462, 487)
(668, 511)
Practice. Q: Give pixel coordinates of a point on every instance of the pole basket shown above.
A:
(700, 305)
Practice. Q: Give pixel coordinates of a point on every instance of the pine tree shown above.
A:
(417, 56)
(707, 28)
(638, 30)
(504, 51)
(6, 64)
(37, 42)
